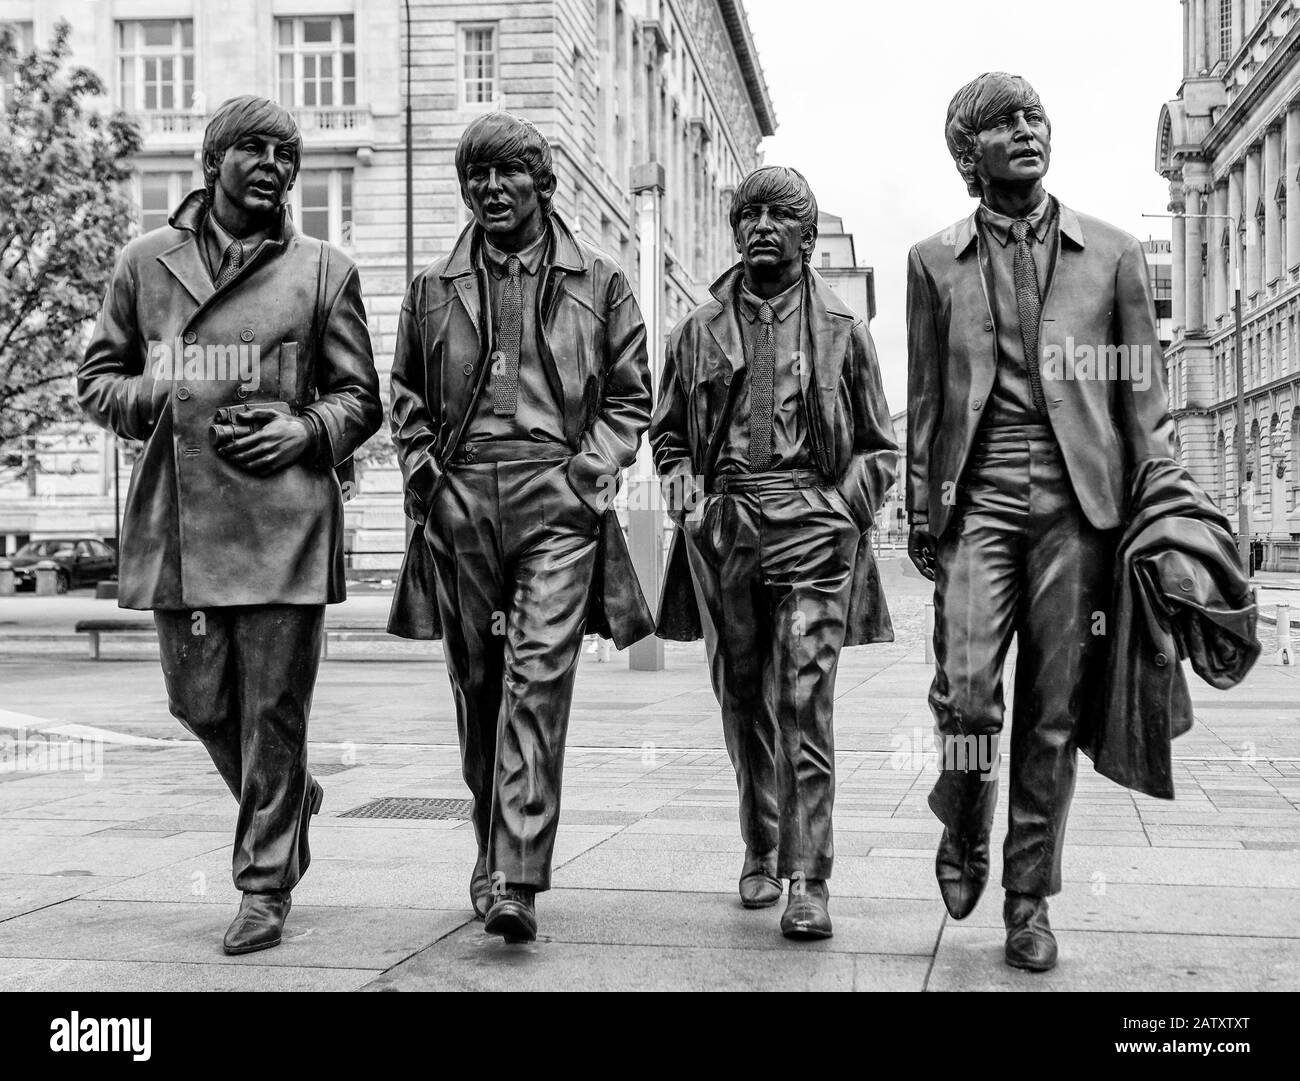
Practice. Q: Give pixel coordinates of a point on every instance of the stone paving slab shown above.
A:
(123, 878)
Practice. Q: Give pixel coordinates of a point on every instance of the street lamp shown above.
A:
(1243, 512)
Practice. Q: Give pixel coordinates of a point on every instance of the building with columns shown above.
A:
(1229, 145)
(611, 83)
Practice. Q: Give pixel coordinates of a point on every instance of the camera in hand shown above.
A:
(226, 425)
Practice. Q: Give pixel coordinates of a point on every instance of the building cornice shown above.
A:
(742, 44)
(1280, 62)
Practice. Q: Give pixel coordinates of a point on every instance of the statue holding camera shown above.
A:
(233, 526)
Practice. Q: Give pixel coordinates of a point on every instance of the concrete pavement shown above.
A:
(115, 870)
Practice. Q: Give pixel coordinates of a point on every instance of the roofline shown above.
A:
(751, 70)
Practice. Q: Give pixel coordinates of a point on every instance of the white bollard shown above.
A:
(929, 632)
(8, 582)
(1283, 655)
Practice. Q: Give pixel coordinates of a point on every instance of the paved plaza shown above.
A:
(115, 870)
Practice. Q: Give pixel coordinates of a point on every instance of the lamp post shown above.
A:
(410, 198)
(1239, 440)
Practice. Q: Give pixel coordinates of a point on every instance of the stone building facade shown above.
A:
(612, 83)
(1229, 145)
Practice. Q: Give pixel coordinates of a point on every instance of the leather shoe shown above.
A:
(259, 922)
(962, 869)
(512, 915)
(480, 887)
(806, 914)
(1030, 942)
(759, 885)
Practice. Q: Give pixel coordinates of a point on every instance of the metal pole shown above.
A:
(645, 515)
(410, 197)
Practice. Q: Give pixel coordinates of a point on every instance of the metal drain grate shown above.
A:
(412, 807)
(327, 769)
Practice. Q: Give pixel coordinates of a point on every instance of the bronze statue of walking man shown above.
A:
(236, 350)
(521, 390)
(775, 444)
(1016, 484)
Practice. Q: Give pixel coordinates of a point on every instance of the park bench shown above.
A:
(353, 631)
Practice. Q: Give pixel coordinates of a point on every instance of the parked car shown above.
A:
(81, 561)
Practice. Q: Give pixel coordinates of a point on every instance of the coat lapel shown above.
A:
(829, 324)
(185, 262)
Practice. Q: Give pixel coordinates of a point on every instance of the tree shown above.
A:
(64, 216)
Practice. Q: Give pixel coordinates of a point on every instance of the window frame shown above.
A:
(138, 54)
(342, 230)
(299, 49)
(462, 79)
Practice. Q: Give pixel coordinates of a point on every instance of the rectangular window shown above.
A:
(322, 205)
(159, 195)
(478, 64)
(316, 61)
(155, 65)
(1225, 29)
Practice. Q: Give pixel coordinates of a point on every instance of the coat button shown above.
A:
(1186, 583)
(726, 380)
(190, 337)
(469, 454)
(246, 335)
(976, 403)
(241, 391)
(183, 393)
(468, 369)
(1161, 660)
(988, 324)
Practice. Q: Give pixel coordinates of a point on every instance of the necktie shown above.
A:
(760, 393)
(231, 260)
(1029, 307)
(505, 372)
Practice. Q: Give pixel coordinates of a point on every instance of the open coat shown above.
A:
(592, 342)
(198, 531)
(849, 425)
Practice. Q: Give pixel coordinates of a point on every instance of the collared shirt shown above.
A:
(538, 418)
(789, 427)
(1011, 400)
(216, 241)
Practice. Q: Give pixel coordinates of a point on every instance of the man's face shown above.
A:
(256, 171)
(502, 196)
(769, 235)
(1015, 148)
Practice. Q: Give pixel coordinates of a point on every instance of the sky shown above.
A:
(861, 88)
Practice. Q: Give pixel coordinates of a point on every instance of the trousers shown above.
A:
(514, 551)
(1020, 558)
(241, 680)
(772, 565)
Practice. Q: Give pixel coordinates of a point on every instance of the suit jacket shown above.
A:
(199, 531)
(1180, 592)
(1097, 312)
(592, 344)
(849, 430)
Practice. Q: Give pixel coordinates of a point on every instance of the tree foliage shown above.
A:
(65, 214)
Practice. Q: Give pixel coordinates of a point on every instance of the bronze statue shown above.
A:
(521, 390)
(237, 350)
(775, 444)
(1017, 479)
